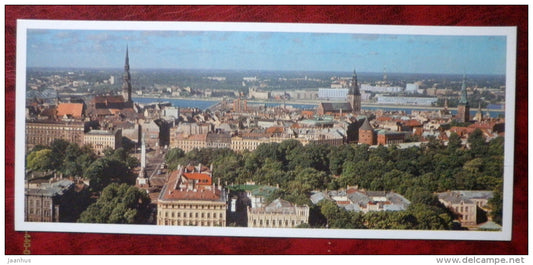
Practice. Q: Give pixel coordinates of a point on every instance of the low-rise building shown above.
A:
(42, 202)
(278, 214)
(359, 200)
(190, 197)
(466, 203)
(45, 132)
(188, 142)
(388, 137)
(102, 139)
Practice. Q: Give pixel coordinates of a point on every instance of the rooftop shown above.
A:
(73, 109)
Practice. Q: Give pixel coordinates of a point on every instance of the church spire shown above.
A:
(126, 79)
(355, 87)
(463, 108)
(464, 99)
(354, 95)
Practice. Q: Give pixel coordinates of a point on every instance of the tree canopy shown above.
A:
(118, 204)
(415, 172)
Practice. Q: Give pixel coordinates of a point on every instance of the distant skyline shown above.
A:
(268, 51)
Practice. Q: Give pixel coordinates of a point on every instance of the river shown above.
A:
(204, 104)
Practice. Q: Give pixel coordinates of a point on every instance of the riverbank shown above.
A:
(310, 103)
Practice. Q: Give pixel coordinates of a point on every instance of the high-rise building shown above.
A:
(126, 80)
(354, 95)
(463, 108)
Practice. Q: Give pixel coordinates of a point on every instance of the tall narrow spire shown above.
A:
(354, 95)
(464, 99)
(463, 108)
(126, 79)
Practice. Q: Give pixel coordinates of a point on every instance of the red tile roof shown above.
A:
(412, 123)
(275, 129)
(202, 192)
(108, 99)
(203, 179)
(73, 109)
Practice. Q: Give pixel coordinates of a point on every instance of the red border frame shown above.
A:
(89, 243)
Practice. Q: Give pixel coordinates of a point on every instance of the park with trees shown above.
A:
(417, 172)
(110, 196)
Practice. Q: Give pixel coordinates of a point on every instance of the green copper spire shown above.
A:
(463, 100)
(354, 89)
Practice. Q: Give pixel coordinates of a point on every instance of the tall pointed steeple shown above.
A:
(126, 79)
(354, 95)
(464, 99)
(463, 108)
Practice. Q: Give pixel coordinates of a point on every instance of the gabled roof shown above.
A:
(73, 109)
(366, 126)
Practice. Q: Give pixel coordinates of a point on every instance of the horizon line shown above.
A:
(253, 70)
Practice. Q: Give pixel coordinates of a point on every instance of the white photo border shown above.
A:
(504, 235)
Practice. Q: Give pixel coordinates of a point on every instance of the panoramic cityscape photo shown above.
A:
(180, 128)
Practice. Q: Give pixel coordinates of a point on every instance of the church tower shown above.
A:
(463, 108)
(354, 95)
(126, 80)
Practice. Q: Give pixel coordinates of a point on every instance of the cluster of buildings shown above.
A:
(191, 195)
(361, 200)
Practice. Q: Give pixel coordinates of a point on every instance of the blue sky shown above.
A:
(267, 51)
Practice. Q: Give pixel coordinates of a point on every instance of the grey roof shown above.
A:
(280, 206)
(358, 198)
(476, 194)
(393, 207)
(376, 193)
(398, 199)
(352, 207)
(458, 196)
(490, 225)
(366, 126)
(52, 189)
(337, 193)
(316, 197)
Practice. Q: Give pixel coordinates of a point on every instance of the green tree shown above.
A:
(430, 217)
(337, 156)
(315, 179)
(496, 204)
(271, 173)
(478, 144)
(120, 204)
(226, 167)
(454, 142)
(40, 160)
(59, 148)
(104, 171)
(285, 149)
(172, 158)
